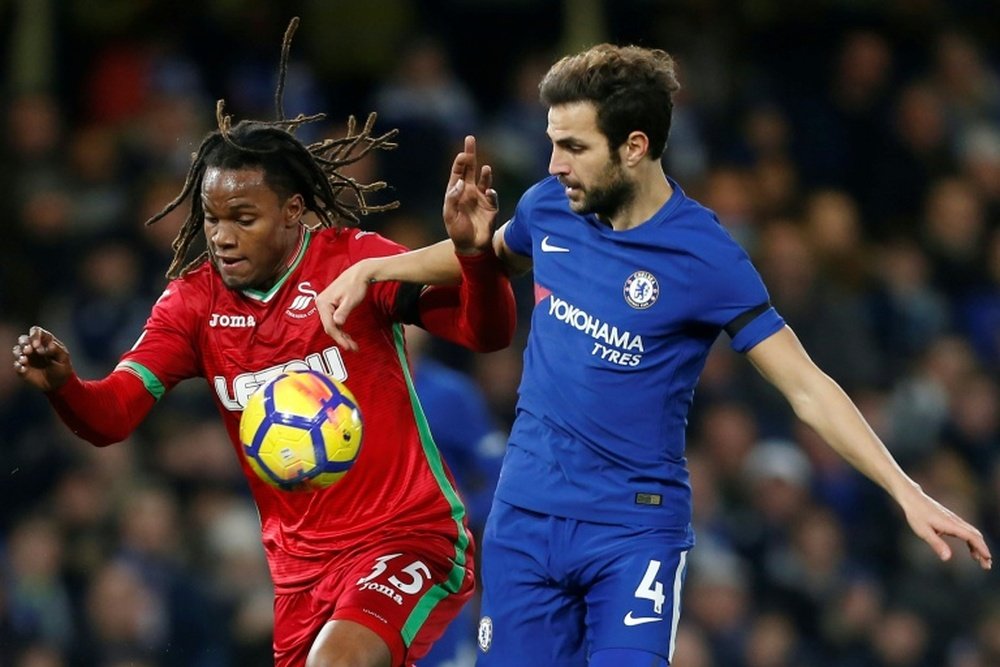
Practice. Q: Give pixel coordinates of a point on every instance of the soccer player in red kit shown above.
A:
(370, 570)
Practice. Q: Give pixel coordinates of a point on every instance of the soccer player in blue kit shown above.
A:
(585, 547)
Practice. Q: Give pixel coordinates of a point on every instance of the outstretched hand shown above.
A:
(470, 205)
(42, 360)
(932, 521)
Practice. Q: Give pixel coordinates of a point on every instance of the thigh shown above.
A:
(633, 599)
(528, 615)
(407, 592)
(298, 618)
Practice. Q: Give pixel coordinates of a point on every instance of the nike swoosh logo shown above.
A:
(639, 620)
(548, 247)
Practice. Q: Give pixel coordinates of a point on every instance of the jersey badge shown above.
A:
(485, 635)
(304, 303)
(641, 290)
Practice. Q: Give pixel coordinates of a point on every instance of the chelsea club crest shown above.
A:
(485, 633)
(641, 290)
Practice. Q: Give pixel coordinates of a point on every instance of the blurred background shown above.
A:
(853, 148)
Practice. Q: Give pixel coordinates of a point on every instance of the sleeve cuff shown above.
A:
(481, 263)
(762, 327)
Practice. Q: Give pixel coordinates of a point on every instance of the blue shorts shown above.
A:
(557, 590)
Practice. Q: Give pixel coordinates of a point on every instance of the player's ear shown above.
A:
(294, 209)
(635, 148)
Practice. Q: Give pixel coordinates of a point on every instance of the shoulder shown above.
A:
(187, 299)
(702, 232)
(356, 243)
(194, 286)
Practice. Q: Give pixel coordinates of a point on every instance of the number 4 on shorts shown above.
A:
(651, 589)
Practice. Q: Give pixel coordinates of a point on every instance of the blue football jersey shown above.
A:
(622, 325)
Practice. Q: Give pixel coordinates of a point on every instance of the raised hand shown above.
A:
(470, 205)
(42, 360)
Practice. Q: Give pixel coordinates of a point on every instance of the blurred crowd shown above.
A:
(853, 149)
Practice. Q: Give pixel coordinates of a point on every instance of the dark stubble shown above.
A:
(610, 194)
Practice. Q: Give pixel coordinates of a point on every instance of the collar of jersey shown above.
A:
(264, 297)
(662, 214)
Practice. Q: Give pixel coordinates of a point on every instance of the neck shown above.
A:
(652, 190)
(287, 262)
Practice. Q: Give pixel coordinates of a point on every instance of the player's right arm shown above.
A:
(469, 213)
(101, 411)
(106, 411)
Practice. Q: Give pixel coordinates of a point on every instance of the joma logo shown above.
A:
(232, 321)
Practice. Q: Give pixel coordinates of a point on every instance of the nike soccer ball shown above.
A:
(301, 431)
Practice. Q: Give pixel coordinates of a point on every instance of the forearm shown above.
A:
(105, 411)
(825, 407)
(432, 265)
(480, 313)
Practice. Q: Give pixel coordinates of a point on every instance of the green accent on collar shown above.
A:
(152, 383)
(264, 297)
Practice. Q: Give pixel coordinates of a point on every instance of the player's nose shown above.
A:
(222, 235)
(557, 165)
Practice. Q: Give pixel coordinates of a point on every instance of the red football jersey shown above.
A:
(239, 339)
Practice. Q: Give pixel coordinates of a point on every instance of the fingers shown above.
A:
(40, 340)
(37, 348)
(334, 330)
(341, 337)
(493, 199)
(20, 355)
(939, 546)
(470, 163)
(977, 545)
(485, 178)
(464, 166)
(957, 527)
(333, 315)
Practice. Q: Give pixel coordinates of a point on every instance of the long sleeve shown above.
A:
(480, 312)
(104, 411)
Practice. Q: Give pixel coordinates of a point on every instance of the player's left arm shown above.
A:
(823, 405)
(479, 313)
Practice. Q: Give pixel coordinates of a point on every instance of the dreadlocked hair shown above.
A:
(289, 167)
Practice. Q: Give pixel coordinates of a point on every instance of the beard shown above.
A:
(612, 192)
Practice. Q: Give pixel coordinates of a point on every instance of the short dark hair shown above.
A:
(632, 88)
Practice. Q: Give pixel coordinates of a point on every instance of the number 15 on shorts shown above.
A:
(410, 581)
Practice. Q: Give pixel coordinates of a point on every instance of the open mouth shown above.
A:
(228, 263)
(570, 188)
